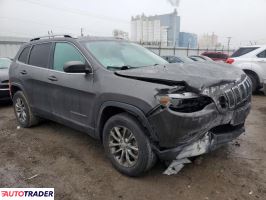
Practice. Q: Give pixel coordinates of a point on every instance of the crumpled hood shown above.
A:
(3, 75)
(196, 75)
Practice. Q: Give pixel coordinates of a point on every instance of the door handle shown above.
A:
(52, 78)
(23, 72)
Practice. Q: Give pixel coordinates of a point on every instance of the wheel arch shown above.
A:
(110, 108)
(250, 71)
(15, 88)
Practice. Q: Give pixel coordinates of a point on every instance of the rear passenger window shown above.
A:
(40, 54)
(23, 57)
(65, 52)
(242, 51)
(262, 54)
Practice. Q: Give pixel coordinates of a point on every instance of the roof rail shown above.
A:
(51, 36)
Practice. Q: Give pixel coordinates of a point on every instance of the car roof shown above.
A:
(44, 39)
(255, 46)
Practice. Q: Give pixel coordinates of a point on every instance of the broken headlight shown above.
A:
(184, 102)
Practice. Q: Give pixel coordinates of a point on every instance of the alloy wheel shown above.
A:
(123, 146)
(20, 110)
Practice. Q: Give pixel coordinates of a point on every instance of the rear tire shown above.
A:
(254, 80)
(127, 146)
(23, 112)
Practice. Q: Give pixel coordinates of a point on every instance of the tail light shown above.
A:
(230, 61)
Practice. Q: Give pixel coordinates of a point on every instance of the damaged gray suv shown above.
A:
(141, 107)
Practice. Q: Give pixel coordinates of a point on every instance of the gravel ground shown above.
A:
(52, 155)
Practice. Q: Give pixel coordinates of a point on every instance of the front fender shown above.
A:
(130, 109)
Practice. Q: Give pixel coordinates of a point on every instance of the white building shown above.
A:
(147, 30)
(158, 29)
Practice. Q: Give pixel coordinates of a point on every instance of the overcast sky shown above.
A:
(243, 20)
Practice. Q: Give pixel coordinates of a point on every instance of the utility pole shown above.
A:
(228, 43)
(81, 32)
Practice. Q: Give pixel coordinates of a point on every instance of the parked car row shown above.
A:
(141, 107)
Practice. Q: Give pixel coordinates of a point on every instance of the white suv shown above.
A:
(252, 59)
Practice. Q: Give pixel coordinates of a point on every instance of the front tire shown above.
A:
(23, 112)
(127, 146)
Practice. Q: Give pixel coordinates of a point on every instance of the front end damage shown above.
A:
(189, 122)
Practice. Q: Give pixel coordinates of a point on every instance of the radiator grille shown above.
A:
(239, 93)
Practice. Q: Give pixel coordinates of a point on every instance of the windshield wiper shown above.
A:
(124, 67)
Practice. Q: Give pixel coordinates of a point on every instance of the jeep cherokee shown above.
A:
(140, 106)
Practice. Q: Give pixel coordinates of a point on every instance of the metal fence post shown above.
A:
(198, 50)
(159, 48)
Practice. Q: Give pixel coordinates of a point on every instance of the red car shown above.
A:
(216, 56)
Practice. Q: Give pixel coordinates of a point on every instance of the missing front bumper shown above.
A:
(209, 142)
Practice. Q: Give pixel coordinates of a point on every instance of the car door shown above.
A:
(36, 83)
(73, 93)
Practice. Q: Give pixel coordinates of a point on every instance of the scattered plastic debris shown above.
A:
(32, 177)
(176, 166)
(18, 127)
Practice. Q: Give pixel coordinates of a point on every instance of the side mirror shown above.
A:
(76, 67)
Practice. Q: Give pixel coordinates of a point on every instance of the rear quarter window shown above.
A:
(23, 57)
(40, 54)
(262, 54)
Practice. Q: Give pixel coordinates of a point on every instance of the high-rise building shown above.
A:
(189, 40)
(158, 29)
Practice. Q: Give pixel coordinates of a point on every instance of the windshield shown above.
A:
(4, 63)
(119, 54)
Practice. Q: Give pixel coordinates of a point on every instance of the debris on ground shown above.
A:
(32, 177)
(176, 166)
(237, 144)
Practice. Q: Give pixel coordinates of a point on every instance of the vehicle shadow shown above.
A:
(6, 103)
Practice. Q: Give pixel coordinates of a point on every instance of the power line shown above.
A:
(65, 28)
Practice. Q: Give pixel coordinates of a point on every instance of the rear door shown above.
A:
(36, 82)
(72, 93)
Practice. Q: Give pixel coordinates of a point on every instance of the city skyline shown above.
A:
(223, 17)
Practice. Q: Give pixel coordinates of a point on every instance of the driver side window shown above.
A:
(65, 52)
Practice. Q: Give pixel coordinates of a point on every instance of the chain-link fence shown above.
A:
(164, 51)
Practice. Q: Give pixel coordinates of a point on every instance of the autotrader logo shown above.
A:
(26, 193)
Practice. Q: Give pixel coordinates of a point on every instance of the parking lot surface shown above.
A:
(52, 155)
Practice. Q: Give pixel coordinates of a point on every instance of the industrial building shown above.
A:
(159, 29)
(189, 40)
